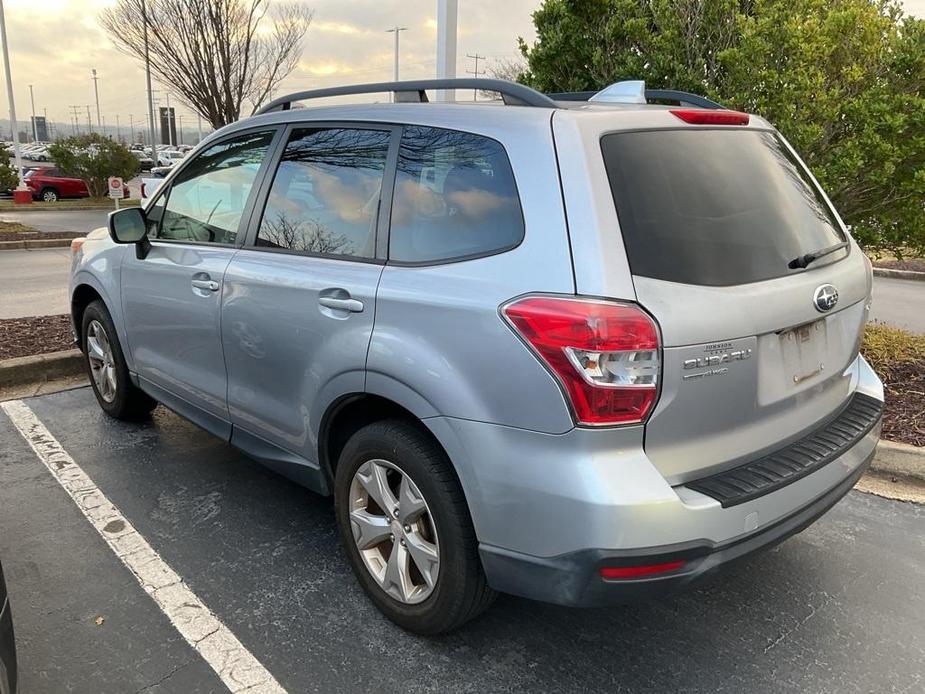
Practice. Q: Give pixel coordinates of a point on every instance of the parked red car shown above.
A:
(49, 185)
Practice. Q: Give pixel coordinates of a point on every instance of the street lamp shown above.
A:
(22, 194)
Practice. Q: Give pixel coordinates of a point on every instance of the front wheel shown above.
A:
(406, 529)
(106, 367)
(50, 195)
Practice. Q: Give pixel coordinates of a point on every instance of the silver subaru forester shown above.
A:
(583, 348)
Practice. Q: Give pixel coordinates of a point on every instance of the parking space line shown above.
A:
(219, 647)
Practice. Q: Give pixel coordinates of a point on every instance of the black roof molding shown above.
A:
(413, 91)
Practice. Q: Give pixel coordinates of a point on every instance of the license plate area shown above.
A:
(804, 350)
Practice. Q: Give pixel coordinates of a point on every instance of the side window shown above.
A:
(455, 197)
(325, 195)
(206, 200)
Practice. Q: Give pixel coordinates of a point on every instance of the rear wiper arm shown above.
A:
(804, 260)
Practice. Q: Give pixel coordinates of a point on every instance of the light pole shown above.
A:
(131, 129)
(118, 130)
(35, 130)
(96, 91)
(20, 194)
(447, 11)
(396, 30)
(198, 128)
(181, 128)
(144, 16)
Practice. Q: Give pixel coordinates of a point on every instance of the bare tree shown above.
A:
(507, 69)
(217, 54)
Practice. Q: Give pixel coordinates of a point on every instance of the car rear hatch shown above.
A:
(756, 351)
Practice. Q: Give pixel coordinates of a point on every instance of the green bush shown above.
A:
(841, 79)
(94, 158)
(8, 177)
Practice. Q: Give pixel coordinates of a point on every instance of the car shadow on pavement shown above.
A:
(264, 555)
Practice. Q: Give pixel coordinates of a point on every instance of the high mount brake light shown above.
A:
(605, 354)
(702, 116)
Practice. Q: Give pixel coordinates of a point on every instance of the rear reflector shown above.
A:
(605, 354)
(702, 116)
(617, 572)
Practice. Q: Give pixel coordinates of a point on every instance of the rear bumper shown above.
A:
(573, 579)
(551, 510)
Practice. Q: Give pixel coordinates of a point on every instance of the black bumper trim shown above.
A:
(573, 579)
(802, 457)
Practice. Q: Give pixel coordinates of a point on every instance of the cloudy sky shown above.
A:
(55, 48)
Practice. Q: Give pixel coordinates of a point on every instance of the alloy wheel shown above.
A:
(102, 365)
(394, 531)
(50, 196)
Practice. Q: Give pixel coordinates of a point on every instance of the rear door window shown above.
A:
(715, 207)
(455, 198)
(325, 195)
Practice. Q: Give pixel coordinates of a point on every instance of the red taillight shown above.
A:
(605, 354)
(143, 196)
(701, 116)
(611, 573)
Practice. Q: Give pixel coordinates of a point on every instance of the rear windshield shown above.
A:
(714, 207)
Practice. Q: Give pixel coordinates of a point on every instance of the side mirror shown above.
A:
(130, 226)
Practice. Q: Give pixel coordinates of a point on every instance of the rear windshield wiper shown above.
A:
(804, 260)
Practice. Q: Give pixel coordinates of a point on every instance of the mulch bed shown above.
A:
(904, 417)
(915, 264)
(20, 337)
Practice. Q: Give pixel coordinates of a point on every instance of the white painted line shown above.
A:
(231, 661)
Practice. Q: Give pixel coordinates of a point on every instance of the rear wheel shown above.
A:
(106, 367)
(405, 526)
(49, 195)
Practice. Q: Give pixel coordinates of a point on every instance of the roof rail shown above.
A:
(412, 91)
(684, 98)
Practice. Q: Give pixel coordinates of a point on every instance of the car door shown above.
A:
(300, 296)
(171, 297)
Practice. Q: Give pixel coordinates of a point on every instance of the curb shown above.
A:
(899, 274)
(40, 367)
(900, 459)
(34, 244)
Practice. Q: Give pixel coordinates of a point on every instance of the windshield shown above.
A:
(715, 207)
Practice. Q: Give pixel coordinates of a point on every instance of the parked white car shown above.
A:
(169, 157)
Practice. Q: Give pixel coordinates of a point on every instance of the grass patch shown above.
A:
(886, 347)
(13, 227)
(898, 357)
(70, 204)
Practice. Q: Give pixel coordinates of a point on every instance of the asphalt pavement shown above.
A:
(837, 608)
(51, 220)
(900, 303)
(34, 283)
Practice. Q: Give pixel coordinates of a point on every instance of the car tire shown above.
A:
(106, 367)
(459, 591)
(49, 195)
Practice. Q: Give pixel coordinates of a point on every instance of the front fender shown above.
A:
(99, 267)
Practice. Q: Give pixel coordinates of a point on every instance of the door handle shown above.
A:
(353, 305)
(208, 285)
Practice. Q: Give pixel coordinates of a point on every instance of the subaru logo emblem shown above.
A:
(825, 297)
